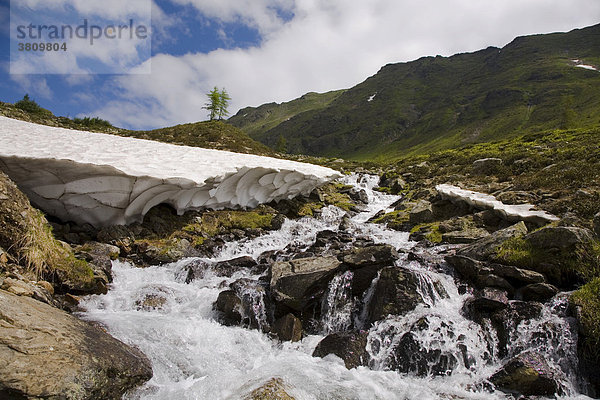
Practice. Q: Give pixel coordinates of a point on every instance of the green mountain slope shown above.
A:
(208, 134)
(256, 121)
(436, 103)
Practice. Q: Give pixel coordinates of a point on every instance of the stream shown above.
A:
(195, 357)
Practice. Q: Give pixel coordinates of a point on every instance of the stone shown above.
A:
(229, 308)
(100, 255)
(47, 353)
(274, 389)
(17, 287)
(468, 235)
(559, 237)
(396, 293)
(421, 213)
(349, 346)
(380, 255)
(103, 179)
(229, 267)
(597, 224)
(506, 321)
(151, 301)
(486, 166)
(528, 374)
(538, 292)
(484, 249)
(488, 300)
(288, 328)
(294, 283)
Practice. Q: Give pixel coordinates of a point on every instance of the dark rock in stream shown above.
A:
(507, 320)
(349, 346)
(287, 328)
(379, 255)
(396, 293)
(296, 283)
(528, 374)
(538, 292)
(228, 307)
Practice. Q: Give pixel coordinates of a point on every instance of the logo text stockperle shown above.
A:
(83, 31)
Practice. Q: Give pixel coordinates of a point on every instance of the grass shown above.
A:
(588, 299)
(436, 103)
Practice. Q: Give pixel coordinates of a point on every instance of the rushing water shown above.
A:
(195, 357)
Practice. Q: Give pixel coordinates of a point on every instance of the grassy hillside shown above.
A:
(208, 134)
(257, 121)
(436, 103)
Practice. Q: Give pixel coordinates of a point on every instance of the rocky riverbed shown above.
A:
(350, 294)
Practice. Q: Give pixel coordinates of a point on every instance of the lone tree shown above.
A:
(218, 101)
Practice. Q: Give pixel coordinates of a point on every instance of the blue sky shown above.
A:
(274, 50)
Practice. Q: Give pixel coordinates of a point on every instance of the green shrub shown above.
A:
(588, 299)
(30, 106)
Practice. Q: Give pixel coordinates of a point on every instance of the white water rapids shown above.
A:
(195, 357)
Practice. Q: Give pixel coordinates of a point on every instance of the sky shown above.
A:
(260, 51)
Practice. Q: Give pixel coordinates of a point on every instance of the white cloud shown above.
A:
(34, 85)
(327, 45)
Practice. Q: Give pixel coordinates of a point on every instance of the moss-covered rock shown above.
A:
(28, 239)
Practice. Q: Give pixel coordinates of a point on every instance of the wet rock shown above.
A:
(396, 293)
(527, 374)
(47, 353)
(349, 346)
(487, 300)
(229, 267)
(381, 255)
(296, 283)
(411, 357)
(538, 292)
(287, 328)
(151, 301)
(484, 249)
(421, 213)
(255, 308)
(274, 389)
(486, 166)
(229, 308)
(506, 321)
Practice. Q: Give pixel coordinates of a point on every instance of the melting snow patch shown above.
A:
(372, 97)
(590, 67)
(105, 179)
(482, 201)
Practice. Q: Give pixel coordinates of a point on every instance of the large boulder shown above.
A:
(421, 213)
(597, 224)
(528, 374)
(486, 166)
(274, 389)
(47, 353)
(484, 249)
(396, 293)
(382, 255)
(559, 237)
(296, 283)
(349, 346)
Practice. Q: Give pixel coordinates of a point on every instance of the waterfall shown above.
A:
(338, 305)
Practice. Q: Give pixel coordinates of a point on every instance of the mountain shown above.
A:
(217, 135)
(257, 121)
(535, 83)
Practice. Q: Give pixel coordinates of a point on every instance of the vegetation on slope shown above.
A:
(257, 121)
(209, 134)
(533, 84)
